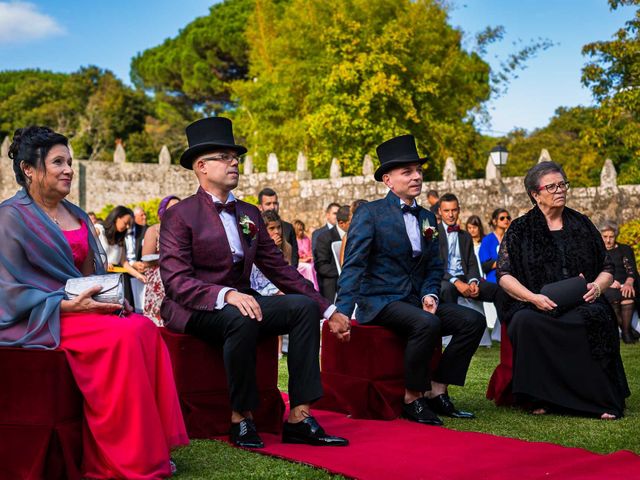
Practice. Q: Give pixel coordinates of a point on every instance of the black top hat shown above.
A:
(396, 152)
(208, 134)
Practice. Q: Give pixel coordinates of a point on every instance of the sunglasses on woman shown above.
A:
(505, 217)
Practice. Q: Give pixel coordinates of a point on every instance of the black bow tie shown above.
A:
(226, 207)
(453, 228)
(413, 210)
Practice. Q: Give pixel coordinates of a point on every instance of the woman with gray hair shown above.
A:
(621, 294)
(566, 351)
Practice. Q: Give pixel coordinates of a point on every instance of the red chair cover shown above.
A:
(499, 389)
(201, 382)
(40, 416)
(365, 377)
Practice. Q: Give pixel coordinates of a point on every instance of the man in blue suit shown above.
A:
(393, 272)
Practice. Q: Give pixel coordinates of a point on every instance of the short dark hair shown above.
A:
(356, 204)
(432, 193)
(344, 213)
(535, 173)
(449, 197)
(331, 205)
(266, 192)
(270, 216)
(30, 146)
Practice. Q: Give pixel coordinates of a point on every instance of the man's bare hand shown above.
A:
(463, 288)
(429, 304)
(474, 290)
(340, 326)
(247, 305)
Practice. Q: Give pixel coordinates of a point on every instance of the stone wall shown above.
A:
(96, 184)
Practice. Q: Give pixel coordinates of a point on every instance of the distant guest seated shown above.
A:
(564, 358)
(119, 362)
(461, 270)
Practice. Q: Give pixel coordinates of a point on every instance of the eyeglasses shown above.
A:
(506, 217)
(554, 187)
(225, 157)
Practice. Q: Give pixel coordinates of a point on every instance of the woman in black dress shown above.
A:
(568, 358)
(621, 294)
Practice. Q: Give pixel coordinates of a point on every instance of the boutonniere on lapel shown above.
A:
(430, 232)
(248, 227)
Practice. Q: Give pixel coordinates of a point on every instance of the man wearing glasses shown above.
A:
(208, 244)
(461, 270)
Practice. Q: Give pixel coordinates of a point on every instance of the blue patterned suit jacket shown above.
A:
(379, 267)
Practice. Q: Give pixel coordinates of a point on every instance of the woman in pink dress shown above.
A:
(305, 262)
(119, 362)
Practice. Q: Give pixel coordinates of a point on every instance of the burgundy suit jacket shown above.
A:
(196, 261)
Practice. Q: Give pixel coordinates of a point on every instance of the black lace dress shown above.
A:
(566, 358)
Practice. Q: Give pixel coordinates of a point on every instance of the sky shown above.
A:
(63, 35)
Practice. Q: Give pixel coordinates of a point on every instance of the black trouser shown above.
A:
(297, 315)
(489, 292)
(424, 330)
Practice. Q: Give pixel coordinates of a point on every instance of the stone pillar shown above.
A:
(335, 171)
(544, 156)
(367, 166)
(608, 175)
(248, 165)
(450, 172)
(272, 163)
(4, 148)
(301, 163)
(119, 155)
(491, 171)
(165, 157)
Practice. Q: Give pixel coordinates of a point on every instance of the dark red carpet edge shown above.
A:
(401, 449)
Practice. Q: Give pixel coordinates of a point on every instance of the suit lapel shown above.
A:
(217, 224)
(396, 216)
(247, 246)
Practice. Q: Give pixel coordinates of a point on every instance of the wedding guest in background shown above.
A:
(268, 200)
(324, 259)
(476, 230)
(354, 206)
(138, 229)
(259, 282)
(621, 294)
(305, 263)
(154, 290)
(433, 199)
(564, 357)
(330, 218)
(121, 365)
(112, 236)
(500, 221)
(92, 217)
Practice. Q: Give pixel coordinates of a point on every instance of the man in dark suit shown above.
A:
(268, 200)
(392, 270)
(323, 258)
(208, 244)
(330, 217)
(461, 271)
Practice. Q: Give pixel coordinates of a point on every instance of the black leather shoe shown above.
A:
(310, 432)
(418, 411)
(244, 434)
(443, 405)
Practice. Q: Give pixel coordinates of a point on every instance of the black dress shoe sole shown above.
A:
(461, 415)
(343, 442)
(248, 444)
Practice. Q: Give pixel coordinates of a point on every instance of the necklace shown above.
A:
(55, 220)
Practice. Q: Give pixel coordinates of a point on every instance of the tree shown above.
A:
(336, 78)
(197, 66)
(613, 75)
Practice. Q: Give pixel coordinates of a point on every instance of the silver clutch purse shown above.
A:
(112, 287)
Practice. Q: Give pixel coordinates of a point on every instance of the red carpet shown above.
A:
(400, 449)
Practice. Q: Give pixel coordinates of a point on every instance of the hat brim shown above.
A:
(190, 154)
(390, 165)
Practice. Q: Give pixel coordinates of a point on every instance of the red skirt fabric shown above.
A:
(131, 409)
(499, 389)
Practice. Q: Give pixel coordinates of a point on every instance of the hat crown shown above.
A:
(217, 130)
(398, 148)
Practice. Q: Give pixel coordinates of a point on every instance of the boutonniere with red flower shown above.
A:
(430, 232)
(248, 227)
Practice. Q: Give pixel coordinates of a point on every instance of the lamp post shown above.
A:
(499, 155)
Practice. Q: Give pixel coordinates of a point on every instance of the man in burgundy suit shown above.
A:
(208, 244)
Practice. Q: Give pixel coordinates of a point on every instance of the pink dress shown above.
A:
(306, 269)
(123, 370)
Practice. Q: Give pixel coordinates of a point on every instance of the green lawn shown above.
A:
(211, 459)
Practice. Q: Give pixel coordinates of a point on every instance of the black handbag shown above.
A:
(566, 293)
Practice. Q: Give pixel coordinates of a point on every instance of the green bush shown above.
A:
(630, 235)
(149, 206)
